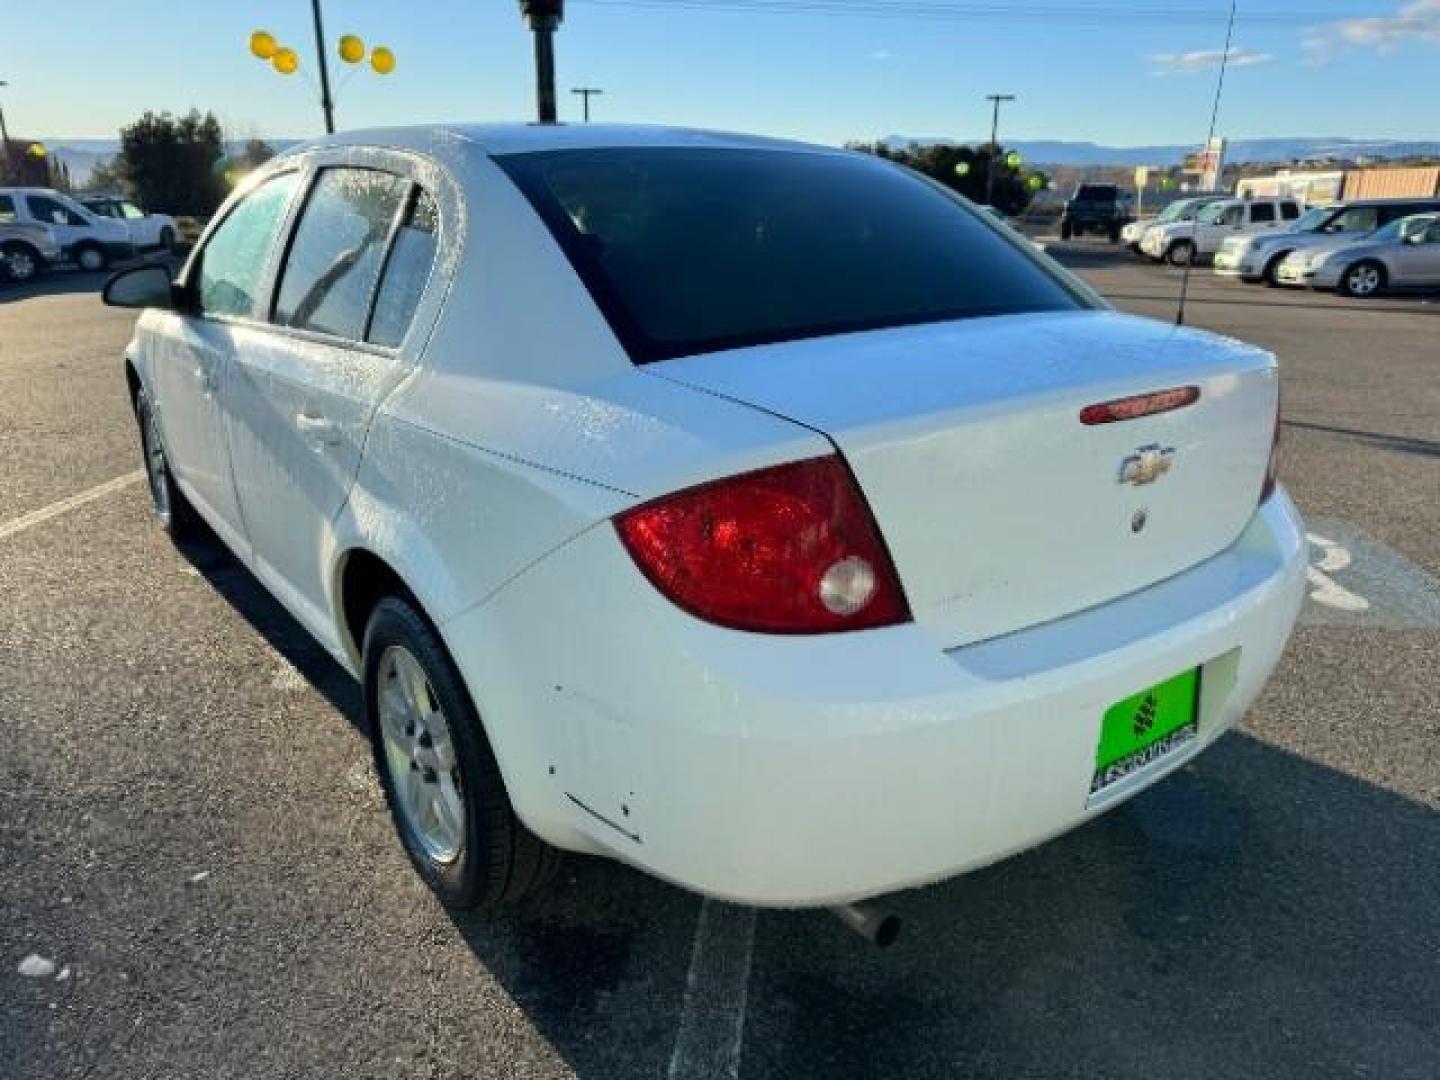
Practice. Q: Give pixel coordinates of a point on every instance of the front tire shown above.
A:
(1363, 280)
(441, 781)
(20, 262)
(1180, 253)
(1271, 273)
(173, 511)
(91, 258)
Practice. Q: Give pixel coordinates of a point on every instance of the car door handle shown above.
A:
(318, 428)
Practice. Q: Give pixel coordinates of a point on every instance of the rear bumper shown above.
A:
(809, 771)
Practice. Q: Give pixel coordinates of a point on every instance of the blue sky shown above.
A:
(1120, 72)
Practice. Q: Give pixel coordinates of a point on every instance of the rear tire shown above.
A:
(1180, 253)
(1363, 280)
(441, 781)
(173, 511)
(19, 262)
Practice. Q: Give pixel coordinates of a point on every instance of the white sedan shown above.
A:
(146, 230)
(759, 514)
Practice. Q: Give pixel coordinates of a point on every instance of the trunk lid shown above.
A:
(1001, 509)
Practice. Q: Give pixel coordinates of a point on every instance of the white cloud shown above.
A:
(1417, 22)
(882, 55)
(1188, 63)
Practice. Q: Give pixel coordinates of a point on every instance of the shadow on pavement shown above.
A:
(1403, 443)
(66, 281)
(1255, 915)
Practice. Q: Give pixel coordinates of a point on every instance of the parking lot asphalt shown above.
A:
(190, 834)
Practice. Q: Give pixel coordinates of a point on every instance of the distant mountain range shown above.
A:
(81, 155)
(1279, 151)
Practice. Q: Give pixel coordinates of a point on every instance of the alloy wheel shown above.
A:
(420, 756)
(1363, 280)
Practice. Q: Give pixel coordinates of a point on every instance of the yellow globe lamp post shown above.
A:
(351, 49)
(263, 45)
(382, 60)
(286, 61)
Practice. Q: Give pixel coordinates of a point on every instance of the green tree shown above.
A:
(256, 153)
(108, 176)
(169, 162)
(963, 169)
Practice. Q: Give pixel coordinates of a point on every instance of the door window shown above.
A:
(339, 248)
(1232, 215)
(232, 264)
(1262, 213)
(53, 211)
(1290, 211)
(7, 208)
(131, 211)
(406, 272)
(1355, 219)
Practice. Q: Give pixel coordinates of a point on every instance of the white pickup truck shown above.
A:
(1182, 242)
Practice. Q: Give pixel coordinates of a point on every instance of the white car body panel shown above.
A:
(483, 460)
(1208, 237)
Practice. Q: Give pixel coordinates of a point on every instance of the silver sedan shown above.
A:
(1403, 255)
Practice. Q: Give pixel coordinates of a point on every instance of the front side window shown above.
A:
(1262, 213)
(131, 211)
(54, 212)
(697, 250)
(1290, 211)
(406, 272)
(1355, 219)
(335, 260)
(232, 263)
(7, 209)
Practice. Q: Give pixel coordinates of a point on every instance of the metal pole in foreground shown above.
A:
(326, 102)
(587, 92)
(994, 145)
(544, 17)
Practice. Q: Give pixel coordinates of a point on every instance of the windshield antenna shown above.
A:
(1209, 141)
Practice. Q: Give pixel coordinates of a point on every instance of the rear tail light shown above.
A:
(786, 550)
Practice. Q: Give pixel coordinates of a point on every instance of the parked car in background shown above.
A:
(146, 230)
(1182, 242)
(1258, 257)
(1179, 210)
(1403, 255)
(91, 241)
(1102, 209)
(26, 248)
(792, 596)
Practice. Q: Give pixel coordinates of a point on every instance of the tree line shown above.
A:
(964, 169)
(177, 164)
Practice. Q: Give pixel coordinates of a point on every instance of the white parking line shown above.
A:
(712, 1019)
(64, 506)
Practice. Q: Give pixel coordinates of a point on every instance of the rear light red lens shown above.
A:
(1132, 408)
(786, 550)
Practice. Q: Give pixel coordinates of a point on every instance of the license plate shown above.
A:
(1146, 727)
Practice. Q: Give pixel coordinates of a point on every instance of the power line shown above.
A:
(1107, 13)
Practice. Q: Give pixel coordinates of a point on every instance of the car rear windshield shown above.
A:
(1096, 193)
(696, 250)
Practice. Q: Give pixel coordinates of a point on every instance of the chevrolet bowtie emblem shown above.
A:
(1146, 465)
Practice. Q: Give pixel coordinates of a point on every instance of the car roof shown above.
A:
(497, 139)
(1393, 201)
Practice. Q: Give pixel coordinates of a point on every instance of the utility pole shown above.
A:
(4, 140)
(587, 92)
(998, 99)
(543, 17)
(326, 102)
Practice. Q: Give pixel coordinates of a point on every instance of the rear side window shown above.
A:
(233, 261)
(406, 272)
(1361, 219)
(338, 251)
(1260, 213)
(696, 250)
(7, 208)
(1290, 211)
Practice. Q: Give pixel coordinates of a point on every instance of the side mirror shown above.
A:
(141, 287)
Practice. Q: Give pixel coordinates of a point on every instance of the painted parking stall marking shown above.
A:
(1359, 583)
(64, 506)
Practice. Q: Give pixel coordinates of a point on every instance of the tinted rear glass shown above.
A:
(696, 250)
(1096, 193)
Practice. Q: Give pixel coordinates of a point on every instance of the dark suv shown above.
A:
(1102, 209)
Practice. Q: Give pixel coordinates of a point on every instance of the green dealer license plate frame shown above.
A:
(1146, 727)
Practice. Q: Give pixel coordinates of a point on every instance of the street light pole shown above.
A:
(4, 135)
(998, 99)
(543, 17)
(326, 102)
(587, 92)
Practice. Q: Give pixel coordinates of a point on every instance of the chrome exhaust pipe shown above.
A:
(875, 925)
